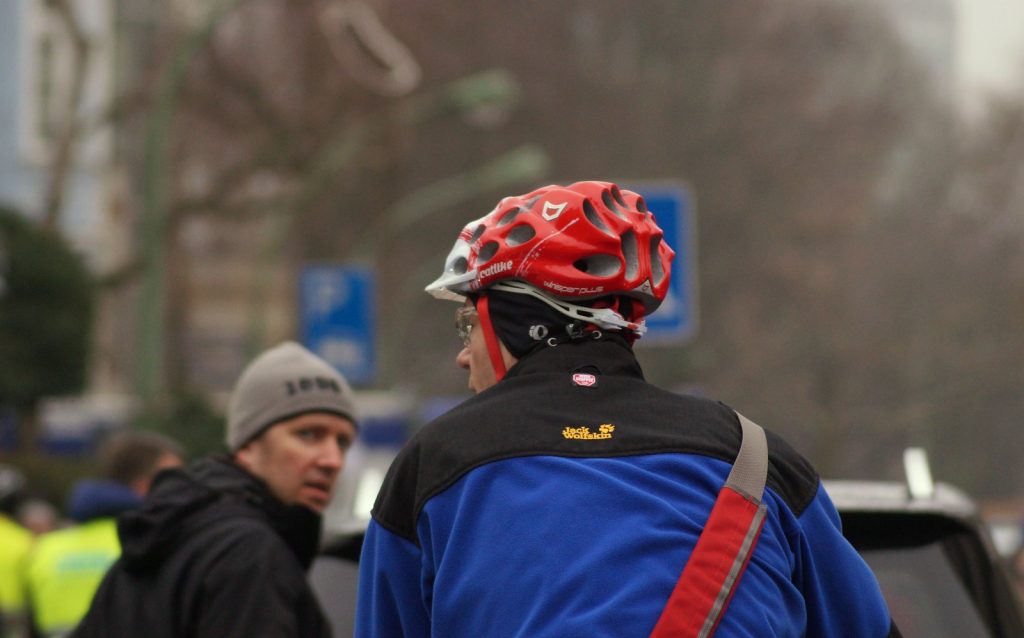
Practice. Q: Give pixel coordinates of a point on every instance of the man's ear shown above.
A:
(506, 355)
(243, 456)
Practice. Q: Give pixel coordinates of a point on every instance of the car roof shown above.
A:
(893, 496)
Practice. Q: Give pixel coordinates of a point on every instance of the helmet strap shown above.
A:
(490, 338)
(605, 318)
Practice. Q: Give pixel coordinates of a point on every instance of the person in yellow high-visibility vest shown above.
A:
(66, 566)
(15, 543)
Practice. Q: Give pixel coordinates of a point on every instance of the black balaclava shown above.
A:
(523, 322)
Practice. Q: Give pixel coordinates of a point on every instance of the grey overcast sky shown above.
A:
(991, 51)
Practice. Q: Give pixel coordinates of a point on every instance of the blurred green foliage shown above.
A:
(51, 477)
(46, 314)
(193, 421)
(188, 418)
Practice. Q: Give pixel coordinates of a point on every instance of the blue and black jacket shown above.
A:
(554, 504)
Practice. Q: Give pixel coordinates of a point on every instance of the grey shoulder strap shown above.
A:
(750, 471)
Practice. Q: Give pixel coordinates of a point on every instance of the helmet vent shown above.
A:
(617, 196)
(598, 265)
(612, 204)
(509, 216)
(520, 235)
(629, 252)
(477, 233)
(641, 205)
(488, 251)
(591, 214)
(459, 266)
(657, 272)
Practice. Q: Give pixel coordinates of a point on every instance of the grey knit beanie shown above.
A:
(284, 382)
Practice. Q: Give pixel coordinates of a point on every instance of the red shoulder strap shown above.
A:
(724, 548)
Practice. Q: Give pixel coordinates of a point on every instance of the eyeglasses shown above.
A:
(465, 318)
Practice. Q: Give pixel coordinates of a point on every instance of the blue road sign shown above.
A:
(336, 308)
(675, 321)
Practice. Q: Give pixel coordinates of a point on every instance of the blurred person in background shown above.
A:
(38, 515)
(66, 566)
(221, 548)
(15, 544)
(569, 497)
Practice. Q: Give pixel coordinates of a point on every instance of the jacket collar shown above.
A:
(184, 500)
(610, 355)
(299, 526)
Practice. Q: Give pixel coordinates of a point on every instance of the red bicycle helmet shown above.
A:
(583, 241)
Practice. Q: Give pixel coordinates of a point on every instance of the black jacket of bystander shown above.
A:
(211, 554)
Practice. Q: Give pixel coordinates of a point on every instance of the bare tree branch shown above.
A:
(71, 125)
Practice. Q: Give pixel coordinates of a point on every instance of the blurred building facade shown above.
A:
(37, 64)
(58, 164)
(221, 286)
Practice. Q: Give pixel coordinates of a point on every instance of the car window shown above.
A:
(925, 595)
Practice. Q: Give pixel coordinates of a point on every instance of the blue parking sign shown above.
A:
(336, 308)
(675, 321)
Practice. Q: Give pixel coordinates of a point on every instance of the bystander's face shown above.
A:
(300, 458)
